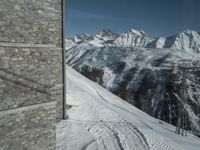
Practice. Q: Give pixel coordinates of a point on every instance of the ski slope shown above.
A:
(99, 120)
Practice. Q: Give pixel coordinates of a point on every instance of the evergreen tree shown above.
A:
(93, 74)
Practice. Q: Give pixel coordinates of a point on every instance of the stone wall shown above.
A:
(31, 21)
(28, 128)
(31, 79)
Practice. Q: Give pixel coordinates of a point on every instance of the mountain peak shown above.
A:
(137, 32)
(188, 32)
(107, 32)
(82, 35)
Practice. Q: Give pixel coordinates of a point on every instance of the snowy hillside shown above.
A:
(149, 78)
(103, 121)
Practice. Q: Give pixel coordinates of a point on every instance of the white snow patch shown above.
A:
(108, 77)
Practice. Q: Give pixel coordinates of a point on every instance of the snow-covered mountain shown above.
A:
(107, 34)
(187, 40)
(134, 38)
(74, 40)
(147, 73)
(100, 120)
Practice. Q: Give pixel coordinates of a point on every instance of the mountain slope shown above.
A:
(187, 40)
(146, 78)
(101, 120)
(145, 71)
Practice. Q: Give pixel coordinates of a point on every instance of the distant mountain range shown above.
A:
(146, 71)
(187, 40)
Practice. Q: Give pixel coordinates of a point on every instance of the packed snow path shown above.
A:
(99, 120)
(118, 134)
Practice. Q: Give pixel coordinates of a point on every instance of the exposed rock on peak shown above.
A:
(107, 33)
(137, 32)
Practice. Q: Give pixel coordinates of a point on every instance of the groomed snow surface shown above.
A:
(99, 120)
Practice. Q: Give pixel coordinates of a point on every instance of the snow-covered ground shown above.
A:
(100, 120)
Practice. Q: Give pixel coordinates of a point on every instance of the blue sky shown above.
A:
(155, 17)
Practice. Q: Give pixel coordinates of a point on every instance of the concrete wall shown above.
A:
(31, 81)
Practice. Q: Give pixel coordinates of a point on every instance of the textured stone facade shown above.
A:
(31, 21)
(31, 78)
(28, 128)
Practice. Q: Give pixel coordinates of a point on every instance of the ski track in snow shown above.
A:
(86, 146)
(134, 135)
(140, 141)
(158, 143)
(119, 134)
